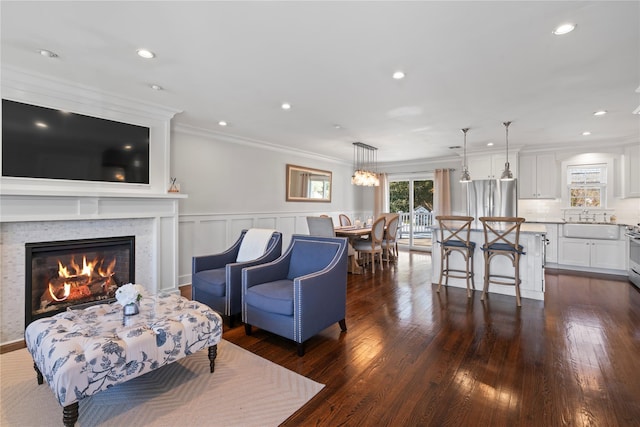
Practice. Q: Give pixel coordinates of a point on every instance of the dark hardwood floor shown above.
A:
(413, 357)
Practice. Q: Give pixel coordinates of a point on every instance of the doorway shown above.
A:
(412, 198)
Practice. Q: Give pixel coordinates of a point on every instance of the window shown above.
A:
(318, 187)
(587, 185)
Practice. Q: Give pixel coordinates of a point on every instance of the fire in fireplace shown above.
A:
(67, 273)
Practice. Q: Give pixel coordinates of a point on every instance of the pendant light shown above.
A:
(465, 177)
(507, 175)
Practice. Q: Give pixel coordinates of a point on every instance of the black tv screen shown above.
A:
(39, 142)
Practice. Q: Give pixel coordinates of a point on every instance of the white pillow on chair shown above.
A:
(254, 244)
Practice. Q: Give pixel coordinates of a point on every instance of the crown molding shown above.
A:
(26, 86)
(251, 142)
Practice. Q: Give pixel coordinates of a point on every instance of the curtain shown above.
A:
(442, 196)
(381, 196)
(304, 185)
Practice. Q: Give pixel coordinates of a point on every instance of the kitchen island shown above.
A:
(532, 238)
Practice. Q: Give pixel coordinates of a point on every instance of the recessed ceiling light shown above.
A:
(337, 126)
(489, 144)
(41, 125)
(586, 133)
(398, 75)
(222, 123)
(128, 147)
(146, 54)
(564, 29)
(156, 87)
(285, 106)
(47, 53)
(600, 113)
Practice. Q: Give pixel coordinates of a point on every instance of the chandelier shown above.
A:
(365, 165)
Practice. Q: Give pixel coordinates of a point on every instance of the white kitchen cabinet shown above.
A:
(552, 243)
(609, 254)
(537, 176)
(594, 253)
(490, 166)
(632, 171)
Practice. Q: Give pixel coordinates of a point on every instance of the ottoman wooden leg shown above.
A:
(70, 414)
(213, 353)
(38, 374)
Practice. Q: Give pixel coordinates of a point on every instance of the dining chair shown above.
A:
(390, 242)
(373, 245)
(502, 237)
(344, 220)
(320, 226)
(455, 233)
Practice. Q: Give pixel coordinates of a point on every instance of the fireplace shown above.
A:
(67, 273)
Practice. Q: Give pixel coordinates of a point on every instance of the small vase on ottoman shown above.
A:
(129, 295)
(131, 309)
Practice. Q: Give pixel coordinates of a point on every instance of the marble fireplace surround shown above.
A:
(153, 220)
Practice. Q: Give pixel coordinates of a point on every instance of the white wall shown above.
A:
(223, 176)
(234, 184)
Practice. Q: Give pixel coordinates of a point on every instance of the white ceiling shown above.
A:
(468, 64)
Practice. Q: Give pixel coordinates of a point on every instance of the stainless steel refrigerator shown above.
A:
(492, 197)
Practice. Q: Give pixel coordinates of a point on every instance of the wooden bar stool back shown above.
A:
(502, 237)
(455, 233)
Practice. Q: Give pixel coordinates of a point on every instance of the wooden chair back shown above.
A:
(392, 228)
(344, 220)
(502, 233)
(454, 230)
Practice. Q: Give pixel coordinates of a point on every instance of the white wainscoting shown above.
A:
(202, 234)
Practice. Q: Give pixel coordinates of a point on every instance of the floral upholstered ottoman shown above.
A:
(81, 352)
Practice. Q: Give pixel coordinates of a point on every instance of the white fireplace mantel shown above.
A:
(66, 206)
(25, 218)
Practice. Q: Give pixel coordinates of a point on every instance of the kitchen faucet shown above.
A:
(580, 214)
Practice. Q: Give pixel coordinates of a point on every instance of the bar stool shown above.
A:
(455, 232)
(502, 237)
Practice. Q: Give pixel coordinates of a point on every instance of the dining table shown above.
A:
(353, 233)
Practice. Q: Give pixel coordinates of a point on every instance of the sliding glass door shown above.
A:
(412, 198)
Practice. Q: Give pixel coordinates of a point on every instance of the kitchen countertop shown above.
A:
(545, 220)
(622, 223)
(527, 228)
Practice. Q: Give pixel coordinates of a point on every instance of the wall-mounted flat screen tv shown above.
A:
(39, 142)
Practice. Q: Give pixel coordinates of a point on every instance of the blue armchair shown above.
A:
(299, 294)
(217, 279)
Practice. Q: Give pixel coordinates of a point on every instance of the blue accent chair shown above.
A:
(217, 279)
(299, 294)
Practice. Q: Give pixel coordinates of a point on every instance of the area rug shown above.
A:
(244, 390)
